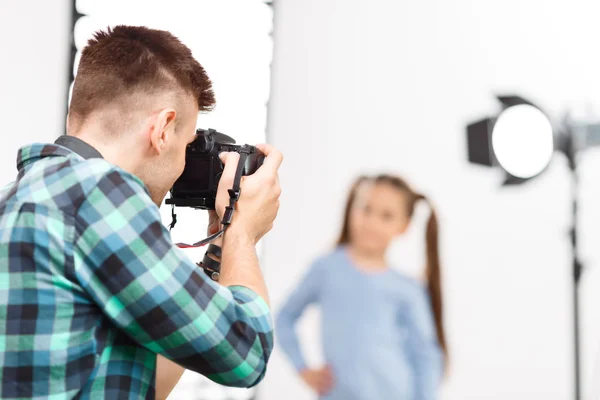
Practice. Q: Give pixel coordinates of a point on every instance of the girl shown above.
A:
(383, 335)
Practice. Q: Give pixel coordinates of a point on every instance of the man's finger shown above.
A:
(273, 157)
(213, 222)
(226, 181)
(231, 162)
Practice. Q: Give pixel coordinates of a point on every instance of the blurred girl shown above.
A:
(382, 333)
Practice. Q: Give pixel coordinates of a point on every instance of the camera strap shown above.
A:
(234, 196)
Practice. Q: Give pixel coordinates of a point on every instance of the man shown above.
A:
(91, 286)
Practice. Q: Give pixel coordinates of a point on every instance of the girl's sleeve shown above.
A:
(306, 293)
(424, 350)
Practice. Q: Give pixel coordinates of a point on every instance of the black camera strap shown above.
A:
(212, 266)
(234, 196)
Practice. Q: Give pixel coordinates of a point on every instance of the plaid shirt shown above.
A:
(92, 288)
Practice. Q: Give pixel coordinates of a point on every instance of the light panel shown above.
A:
(523, 141)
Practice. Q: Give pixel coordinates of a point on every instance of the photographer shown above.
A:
(93, 287)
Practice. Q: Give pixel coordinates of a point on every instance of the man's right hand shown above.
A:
(259, 201)
(320, 380)
(254, 214)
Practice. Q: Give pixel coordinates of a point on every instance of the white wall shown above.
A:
(379, 84)
(34, 48)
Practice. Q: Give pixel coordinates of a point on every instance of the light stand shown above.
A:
(576, 138)
(570, 140)
(570, 151)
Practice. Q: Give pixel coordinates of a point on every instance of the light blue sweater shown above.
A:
(377, 330)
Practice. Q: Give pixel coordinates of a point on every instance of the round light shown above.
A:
(522, 140)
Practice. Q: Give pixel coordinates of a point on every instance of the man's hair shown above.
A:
(127, 60)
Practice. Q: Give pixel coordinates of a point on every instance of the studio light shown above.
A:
(521, 140)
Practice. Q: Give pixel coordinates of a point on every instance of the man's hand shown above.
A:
(259, 201)
(214, 226)
(320, 380)
(253, 218)
(214, 223)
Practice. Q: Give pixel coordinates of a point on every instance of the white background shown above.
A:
(379, 84)
(33, 75)
(389, 85)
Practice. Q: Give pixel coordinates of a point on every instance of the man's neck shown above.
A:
(119, 154)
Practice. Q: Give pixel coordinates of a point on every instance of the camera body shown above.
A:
(197, 185)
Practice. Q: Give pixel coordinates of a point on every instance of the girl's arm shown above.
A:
(306, 293)
(425, 353)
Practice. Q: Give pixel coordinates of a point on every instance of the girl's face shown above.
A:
(379, 214)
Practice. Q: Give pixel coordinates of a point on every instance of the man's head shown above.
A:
(136, 98)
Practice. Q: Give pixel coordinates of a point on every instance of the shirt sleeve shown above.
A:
(424, 351)
(126, 261)
(306, 293)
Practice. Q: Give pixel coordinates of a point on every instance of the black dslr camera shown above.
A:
(197, 185)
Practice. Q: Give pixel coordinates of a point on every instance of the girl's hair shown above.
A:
(433, 258)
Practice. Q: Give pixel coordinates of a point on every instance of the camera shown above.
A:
(197, 185)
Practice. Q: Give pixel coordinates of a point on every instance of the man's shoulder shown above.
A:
(94, 178)
(99, 174)
(49, 159)
(109, 187)
(61, 179)
(116, 201)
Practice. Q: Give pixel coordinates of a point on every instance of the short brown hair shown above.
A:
(126, 59)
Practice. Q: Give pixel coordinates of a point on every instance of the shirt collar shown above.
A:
(64, 146)
(78, 146)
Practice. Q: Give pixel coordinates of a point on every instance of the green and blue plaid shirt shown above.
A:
(92, 288)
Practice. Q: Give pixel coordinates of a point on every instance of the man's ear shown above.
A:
(162, 129)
